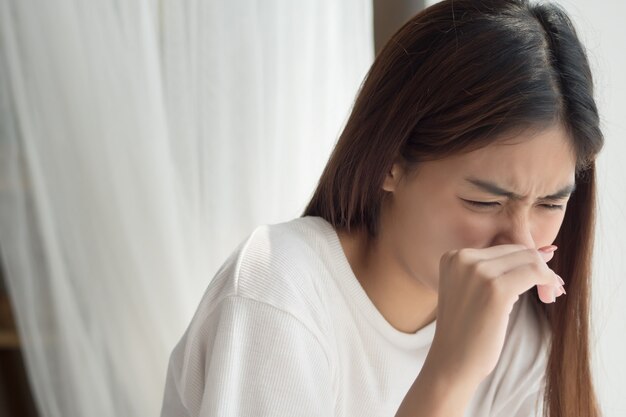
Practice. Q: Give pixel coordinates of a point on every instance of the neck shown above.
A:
(401, 298)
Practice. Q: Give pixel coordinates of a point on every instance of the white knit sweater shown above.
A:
(284, 329)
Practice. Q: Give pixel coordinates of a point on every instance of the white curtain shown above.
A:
(140, 142)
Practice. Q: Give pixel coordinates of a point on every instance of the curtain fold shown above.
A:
(140, 142)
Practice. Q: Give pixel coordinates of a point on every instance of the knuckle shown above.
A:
(446, 257)
(479, 268)
(535, 255)
(535, 261)
(492, 288)
(464, 255)
(555, 277)
(536, 268)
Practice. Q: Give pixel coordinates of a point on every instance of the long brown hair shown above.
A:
(454, 78)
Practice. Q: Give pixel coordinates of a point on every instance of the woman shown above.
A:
(423, 278)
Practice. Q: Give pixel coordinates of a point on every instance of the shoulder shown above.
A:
(276, 264)
(280, 254)
(280, 258)
(258, 332)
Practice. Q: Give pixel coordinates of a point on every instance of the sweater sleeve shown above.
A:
(248, 358)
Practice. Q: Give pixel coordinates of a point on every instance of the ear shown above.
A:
(392, 178)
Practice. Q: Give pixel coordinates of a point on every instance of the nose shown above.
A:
(515, 229)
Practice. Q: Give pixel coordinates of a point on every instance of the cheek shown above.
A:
(546, 228)
(450, 226)
(421, 235)
(443, 228)
(467, 230)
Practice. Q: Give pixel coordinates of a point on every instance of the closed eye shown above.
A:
(495, 203)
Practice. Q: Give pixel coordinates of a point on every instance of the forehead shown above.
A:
(548, 150)
(544, 159)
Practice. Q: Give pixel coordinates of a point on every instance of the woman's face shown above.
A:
(432, 212)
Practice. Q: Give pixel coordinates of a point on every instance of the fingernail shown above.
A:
(558, 291)
(553, 299)
(560, 280)
(546, 256)
(548, 249)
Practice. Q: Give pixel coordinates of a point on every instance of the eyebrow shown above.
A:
(497, 190)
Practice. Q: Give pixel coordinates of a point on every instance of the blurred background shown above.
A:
(141, 141)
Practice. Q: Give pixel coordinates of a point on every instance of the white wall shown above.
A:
(601, 28)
